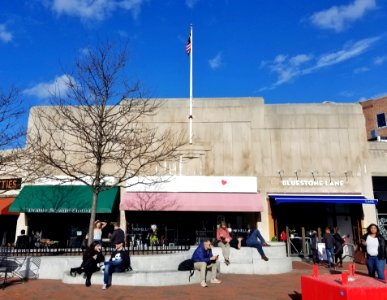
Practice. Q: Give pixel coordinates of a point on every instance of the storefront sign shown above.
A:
(10, 184)
(193, 184)
(302, 182)
(57, 210)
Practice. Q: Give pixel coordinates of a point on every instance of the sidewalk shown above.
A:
(267, 287)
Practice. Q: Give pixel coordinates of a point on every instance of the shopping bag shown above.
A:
(322, 253)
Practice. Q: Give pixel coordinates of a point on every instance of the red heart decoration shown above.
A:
(224, 182)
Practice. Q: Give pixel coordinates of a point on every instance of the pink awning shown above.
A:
(156, 201)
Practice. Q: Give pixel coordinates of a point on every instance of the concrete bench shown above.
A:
(248, 261)
(161, 270)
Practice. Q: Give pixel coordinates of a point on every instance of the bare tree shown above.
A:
(100, 127)
(11, 131)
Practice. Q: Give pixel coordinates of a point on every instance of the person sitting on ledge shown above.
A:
(119, 262)
(92, 257)
(204, 260)
(256, 240)
(237, 242)
(223, 238)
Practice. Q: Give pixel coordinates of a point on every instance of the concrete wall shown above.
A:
(244, 137)
(161, 270)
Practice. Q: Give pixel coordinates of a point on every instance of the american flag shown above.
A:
(188, 46)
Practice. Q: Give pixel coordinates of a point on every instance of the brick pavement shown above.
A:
(267, 287)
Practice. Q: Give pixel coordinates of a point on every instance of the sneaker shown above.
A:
(104, 287)
(266, 245)
(203, 284)
(265, 258)
(73, 273)
(215, 280)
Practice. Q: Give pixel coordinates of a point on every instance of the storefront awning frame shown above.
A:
(230, 202)
(62, 199)
(312, 198)
(5, 203)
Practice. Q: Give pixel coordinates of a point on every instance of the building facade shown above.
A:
(300, 165)
(375, 111)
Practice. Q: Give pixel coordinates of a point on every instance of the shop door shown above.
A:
(345, 226)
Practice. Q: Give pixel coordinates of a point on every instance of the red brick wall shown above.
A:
(370, 109)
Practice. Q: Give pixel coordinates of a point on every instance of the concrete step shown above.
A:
(261, 267)
(161, 270)
(248, 255)
(134, 278)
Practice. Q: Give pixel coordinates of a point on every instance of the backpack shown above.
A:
(187, 265)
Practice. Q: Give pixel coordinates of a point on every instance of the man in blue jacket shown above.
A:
(204, 260)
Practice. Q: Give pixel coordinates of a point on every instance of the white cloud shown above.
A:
(94, 10)
(5, 35)
(288, 68)
(380, 60)
(361, 70)
(216, 61)
(58, 86)
(191, 3)
(349, 50)
(338, 18)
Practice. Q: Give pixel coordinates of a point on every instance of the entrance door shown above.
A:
(345, 226)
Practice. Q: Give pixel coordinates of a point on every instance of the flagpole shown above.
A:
(190, 88)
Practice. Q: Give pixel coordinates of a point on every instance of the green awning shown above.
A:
(62, 199)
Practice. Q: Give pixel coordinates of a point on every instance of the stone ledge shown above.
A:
(161, 270)
(153, 278)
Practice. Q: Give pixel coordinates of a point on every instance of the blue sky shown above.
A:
(285, 51)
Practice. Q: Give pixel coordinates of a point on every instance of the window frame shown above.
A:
(377, 120)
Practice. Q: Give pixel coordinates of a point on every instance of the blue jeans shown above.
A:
(256, 245)
(329, 255)
(110, 268)
(375, 264)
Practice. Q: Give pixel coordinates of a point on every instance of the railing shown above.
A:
(52, 251)
(150, 250)
(55, 251)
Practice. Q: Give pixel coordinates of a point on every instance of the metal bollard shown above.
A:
(315, 270)
(344, 278)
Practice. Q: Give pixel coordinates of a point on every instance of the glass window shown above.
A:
(381, 120)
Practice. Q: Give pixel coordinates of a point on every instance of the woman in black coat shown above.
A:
(376, 251)
(92, 257)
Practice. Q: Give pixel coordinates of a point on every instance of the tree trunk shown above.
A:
(93, 213)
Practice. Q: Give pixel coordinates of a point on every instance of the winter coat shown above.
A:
(202, 255)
